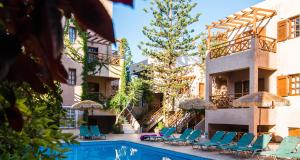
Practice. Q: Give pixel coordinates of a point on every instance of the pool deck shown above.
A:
(183, 149)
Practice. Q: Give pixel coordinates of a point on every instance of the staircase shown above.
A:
(153, 119)
(131, 125)
(175, 119)
(200, 125)
(186, 119)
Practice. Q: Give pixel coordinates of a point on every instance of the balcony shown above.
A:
(242, 44)
(241, 53)
(104, 58)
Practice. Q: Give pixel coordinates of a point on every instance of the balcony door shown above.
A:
(241, 88)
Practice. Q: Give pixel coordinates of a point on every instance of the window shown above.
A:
(72, 77)
(294, 84)
(93, 49)
(72, 34)
(69, 120)
(241, 88)
(295, 27)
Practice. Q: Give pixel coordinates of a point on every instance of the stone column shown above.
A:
(208, 86)
(253, 79)
(253, 111)
(253, 70)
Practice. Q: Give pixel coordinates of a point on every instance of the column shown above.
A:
(208, 86)
(253, 82)
(253, 111)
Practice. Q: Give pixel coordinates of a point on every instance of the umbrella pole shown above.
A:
(259, 120)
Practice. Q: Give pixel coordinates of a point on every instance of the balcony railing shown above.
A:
(105, 58)
(242, 44)
(225, 100)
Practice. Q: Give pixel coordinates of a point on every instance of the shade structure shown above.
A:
(260, 99)
(196, 104)
(86, 105)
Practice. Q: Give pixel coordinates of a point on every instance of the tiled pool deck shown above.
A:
(183, 149)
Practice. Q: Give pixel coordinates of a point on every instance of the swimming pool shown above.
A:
(123, 150)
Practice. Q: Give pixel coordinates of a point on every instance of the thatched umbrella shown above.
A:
(196, 104)
(260, 100)
(86, 105)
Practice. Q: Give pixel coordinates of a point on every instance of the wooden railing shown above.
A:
(155, 110)
(242, 44)
(267, 44)
(105, 58)
(229, 47)
(173, 118)
(154, 119)
(182, 123)
(225, 100)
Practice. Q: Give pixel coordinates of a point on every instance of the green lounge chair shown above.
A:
(292, 155)
(163, 130)
(183, 136)
(214, 139)
(169, 133)
(96, 132)
(227, 139)
(151, 137)
(84, 132)
(287, 146)
(260, 144)
(190, 139)
(245, 140)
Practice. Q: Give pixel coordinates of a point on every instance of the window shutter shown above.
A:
(282, 30)
(201, 90)
(282, 86)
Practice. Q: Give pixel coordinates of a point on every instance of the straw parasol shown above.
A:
(86, 105)
(196, 104)
(260, 99)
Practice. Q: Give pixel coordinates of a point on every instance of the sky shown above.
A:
(129, 22)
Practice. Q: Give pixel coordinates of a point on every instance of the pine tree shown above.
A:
(170, 37)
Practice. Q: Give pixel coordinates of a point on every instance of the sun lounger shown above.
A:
(147, 137)
(189, 140)
(84, 132)
(183, 136)
(95, 132)
(215, 138)
(169, 133)
(260, 144)
(227, 139)
(287, 146)
(245, 140)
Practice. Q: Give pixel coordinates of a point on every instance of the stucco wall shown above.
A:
(284, 62)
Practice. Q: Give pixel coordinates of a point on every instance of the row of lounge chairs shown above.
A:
(189, 136)
(223, 141)
(90, 132)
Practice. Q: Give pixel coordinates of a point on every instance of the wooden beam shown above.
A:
(263, 9)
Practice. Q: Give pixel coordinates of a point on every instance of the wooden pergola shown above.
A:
(95, 38)
(242, 19)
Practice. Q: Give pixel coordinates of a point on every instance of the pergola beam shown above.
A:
(243, 18)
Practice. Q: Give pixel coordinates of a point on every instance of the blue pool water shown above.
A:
(123, 150)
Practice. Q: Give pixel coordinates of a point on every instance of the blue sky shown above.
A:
(128, 22)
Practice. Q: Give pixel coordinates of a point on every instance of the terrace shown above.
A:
(240, 32)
